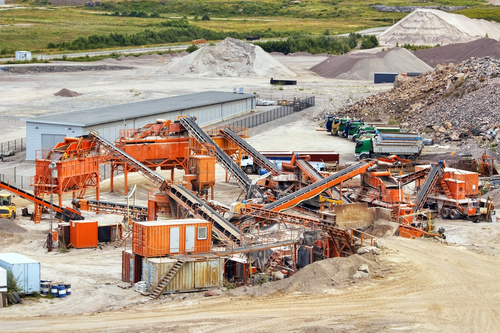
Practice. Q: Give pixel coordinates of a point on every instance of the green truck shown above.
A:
(405, 145)
(371, 130)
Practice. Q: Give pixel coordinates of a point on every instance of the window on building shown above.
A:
(202, 233)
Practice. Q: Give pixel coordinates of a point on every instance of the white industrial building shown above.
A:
(209, 108)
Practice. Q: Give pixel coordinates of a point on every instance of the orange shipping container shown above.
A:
(160, 238)
(83, 234)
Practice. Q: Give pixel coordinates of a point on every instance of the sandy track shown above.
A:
(426, 286)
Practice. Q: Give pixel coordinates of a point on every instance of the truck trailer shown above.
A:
(405, 145)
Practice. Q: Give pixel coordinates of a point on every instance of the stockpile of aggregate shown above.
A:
(362, 66)
(432, 27)
(456, 53)
(230, 58)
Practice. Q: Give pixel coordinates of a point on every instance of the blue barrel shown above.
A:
(68, 288)
(44, 289)
(62, 290)
(53, 290)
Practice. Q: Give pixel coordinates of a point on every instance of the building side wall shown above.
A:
(205, 115)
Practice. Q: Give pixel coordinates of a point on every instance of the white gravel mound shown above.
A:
(230, 58)
(432, 26)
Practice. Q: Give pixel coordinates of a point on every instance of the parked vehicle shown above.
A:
(7, 207)
(405, 145)
(371, 130)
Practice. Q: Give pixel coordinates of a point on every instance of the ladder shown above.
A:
(37, 214)
(274, 260)
(123, 239)
(165, 280)
(446, 189)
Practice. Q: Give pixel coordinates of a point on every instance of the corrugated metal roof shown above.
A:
(108, 114)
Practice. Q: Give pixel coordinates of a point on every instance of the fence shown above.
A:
(267, 116)
(13, 146)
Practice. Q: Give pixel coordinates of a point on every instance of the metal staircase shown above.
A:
(123, 239)
(165, 280)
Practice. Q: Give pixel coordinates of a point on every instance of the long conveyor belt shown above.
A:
(312, 172)
(203, 210)
(117, 152)
(429, 183)
(195, 130)
(257, 157)
(138, 212)
(318, 187)
(65, 213)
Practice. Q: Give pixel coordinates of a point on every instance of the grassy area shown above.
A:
(32, 28)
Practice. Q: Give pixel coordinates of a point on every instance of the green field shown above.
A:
(32, 26)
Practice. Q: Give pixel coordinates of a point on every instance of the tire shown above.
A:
(353, 139)
(445, 213)
(364, 156)
(454, 214)
(249, 170)
(411, 157)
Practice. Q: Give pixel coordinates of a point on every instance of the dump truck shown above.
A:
(405, 145)
(7, 207)
(351, 128)
(372, 130)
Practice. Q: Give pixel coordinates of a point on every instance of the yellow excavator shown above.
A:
(7, 207)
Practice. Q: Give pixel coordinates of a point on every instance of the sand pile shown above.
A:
(362, 66)
(456, 53)
(67, 93)
(432, 27)
(11, 227)
(230, 58)
(316, 277)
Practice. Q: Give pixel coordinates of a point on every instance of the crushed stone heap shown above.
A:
(230, 58)
(432, 27)
(362, 66)
(451, 103)
(456, 53)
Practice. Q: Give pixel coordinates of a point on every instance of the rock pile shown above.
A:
(431, 27)
(62, 68)
(362, 66)
(67, 93)
(451, 103)
(230, 58)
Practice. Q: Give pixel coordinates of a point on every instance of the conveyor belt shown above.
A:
(318, 187)
(117, 152)
(257, 157)
(307, 168)
(65, 213)
(429, 183)
(204, 211)
(222, 157)
(138, 212)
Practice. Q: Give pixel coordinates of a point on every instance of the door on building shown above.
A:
(174, 240)
(190, 238)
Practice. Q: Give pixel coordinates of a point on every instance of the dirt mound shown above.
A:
(10, 226)
(362, 66)
(432, 27)
(230, 58)
(316, 277)
(456, 53)
(67, 93)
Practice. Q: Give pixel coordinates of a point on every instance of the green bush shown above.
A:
(192, 48)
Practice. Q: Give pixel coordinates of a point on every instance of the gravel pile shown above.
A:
(67, 93)
(456, 53)
(432, 27)
(362, 66)
(230, 58)
(10, 226)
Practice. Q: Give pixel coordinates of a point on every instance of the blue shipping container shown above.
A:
(385, 77)
(25, 270)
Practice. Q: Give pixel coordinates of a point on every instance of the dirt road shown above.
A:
(426, 286)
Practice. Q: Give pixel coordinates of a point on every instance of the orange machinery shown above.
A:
(456, 194)
(72, 166)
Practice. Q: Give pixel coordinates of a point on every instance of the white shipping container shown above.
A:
(23, 55)
(3, 280)
(25, 270)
